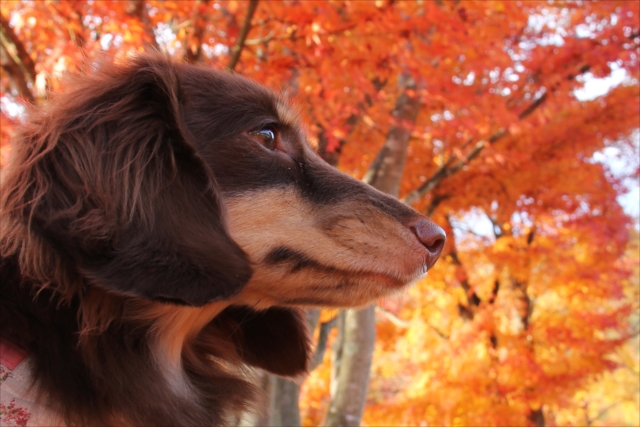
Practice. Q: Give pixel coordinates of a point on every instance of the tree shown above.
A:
(466, 110)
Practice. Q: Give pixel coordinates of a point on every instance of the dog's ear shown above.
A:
(276, 339)
(118, 189)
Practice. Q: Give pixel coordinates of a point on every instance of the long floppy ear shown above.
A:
(118, 190)
(276, 339)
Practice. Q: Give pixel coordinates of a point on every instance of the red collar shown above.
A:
(10, 355)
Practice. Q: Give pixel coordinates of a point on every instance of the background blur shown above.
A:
(513, 124)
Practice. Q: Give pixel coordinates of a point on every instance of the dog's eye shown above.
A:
(267, 136)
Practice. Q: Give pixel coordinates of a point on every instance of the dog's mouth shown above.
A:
(298, 281)
(345, 254)
(292, 262)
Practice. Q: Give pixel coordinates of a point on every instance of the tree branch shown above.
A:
(400, 323)
(193, 51)
(438, 332)
(78, 39)
(15, 61)
(16, 73)
(531, 108)
(11, 40)
(350, 124)
(600, 413)
(246, 26)
(261, 40)
(294, 35)
(468, 308)
(321, 347)
(451, 167)
(139, 10)
(435, 202)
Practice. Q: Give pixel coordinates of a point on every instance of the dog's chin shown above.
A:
(360, 290)
(393, 280)
(377, 286)
(418, 276)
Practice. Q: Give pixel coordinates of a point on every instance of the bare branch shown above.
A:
(67, 22)
(435, 202)
(193, 45)
(451, 167)
(294, 35)
(400, 323)
(261, 40)
(438, 332)
(246, 26)
(16, 74)
(139, 10)
(351, 124)
(321, 347)
(15, 61)
(531, 108)
(536, 416)
(11, 42)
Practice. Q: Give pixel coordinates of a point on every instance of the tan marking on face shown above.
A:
(313, 142)
(358, 253)
(287, 114)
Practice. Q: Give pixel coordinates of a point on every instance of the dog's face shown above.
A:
(183, 184)
(314, 235)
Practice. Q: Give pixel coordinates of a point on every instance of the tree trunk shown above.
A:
(358, 336)
(284, 395)
(286, 411)
(386, 172)
(354, 351)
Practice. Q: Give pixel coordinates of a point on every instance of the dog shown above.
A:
(163, 226)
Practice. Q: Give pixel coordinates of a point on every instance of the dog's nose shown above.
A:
(431, 236)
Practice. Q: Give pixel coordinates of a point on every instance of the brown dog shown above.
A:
(161, 225)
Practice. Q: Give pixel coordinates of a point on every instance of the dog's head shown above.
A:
(314, 235)
(181, 184)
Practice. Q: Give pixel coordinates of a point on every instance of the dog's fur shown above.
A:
(151, 246)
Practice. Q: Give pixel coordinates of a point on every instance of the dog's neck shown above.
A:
(169, 327)
(173, 327)
(117, 360)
